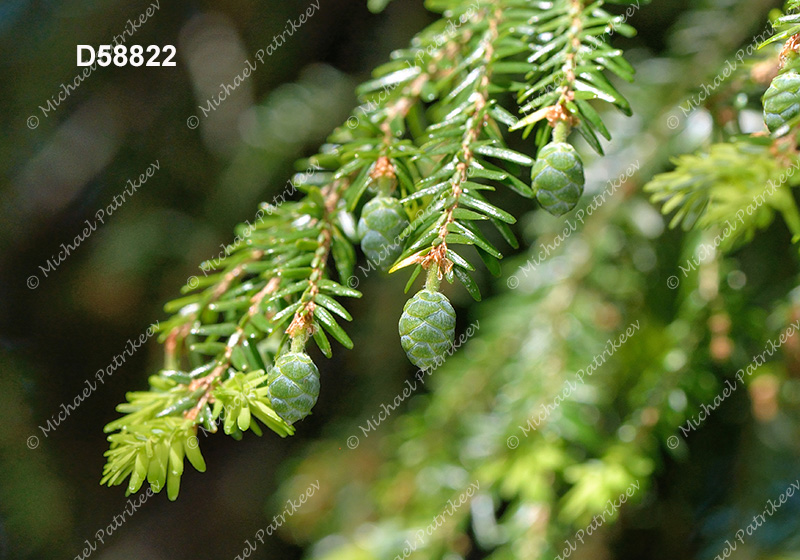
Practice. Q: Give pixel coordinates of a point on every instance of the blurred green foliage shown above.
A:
(610, 433)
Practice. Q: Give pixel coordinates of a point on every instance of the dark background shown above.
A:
(119, 121)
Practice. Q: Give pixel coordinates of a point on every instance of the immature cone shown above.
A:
(782, 100)
(427, 328)
(557, 178)
(382, 221)
(293, 386)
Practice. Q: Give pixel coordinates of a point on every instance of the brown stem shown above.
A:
(559, 112)
(403, 104)
(179, 333)
(209, 381)
(303, 317)
(438, 254)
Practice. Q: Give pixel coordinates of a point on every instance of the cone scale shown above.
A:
(293, 386)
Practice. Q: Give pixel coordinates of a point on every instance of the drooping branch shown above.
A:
(475, 123)
(301, 324)
(208, 382)
(428, 129)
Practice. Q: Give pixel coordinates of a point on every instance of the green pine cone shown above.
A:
(557, 178)
(293, 386)
(427, 328)
(782, 100)
(382, 221)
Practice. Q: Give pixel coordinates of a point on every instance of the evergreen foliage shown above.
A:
(431, 137)
(734, 188)
(556, 430)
